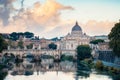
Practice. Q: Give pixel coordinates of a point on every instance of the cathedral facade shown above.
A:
(70, 42)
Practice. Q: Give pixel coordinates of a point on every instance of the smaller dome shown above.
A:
(76, 27)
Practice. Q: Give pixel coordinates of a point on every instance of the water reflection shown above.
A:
(30, 68)
(82, 71)
(52, 71)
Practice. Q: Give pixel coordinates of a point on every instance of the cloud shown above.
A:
(6, 2)
(5, 9)
(48, 13)
(42, 17)
(93, 27)
(14, 26)
(45, 20)
(61, 29)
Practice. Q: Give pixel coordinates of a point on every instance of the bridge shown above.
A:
(35, 52)
(39, 52)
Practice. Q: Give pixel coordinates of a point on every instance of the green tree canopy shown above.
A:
(28, 34)
(3, 44)
(96, 41)
(83, 51)
(66, 57)
(114, 37)
(52, 46)
(30, 46)
(15, 36)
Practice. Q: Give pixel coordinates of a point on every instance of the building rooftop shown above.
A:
(76, 27)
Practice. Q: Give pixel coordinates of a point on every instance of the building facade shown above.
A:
(66, 45)
(75, 38)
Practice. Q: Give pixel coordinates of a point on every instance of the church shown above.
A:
(69, 43)
(66, 45)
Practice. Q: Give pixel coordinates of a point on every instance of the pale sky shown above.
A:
(55, 18)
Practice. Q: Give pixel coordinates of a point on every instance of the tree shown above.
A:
(30, 46)
(66, 57)
(114, 37)
(52, 46)
(3, 44)
(14, 36)
(55, 39)
(20, 44)
(28, 34)
(83, 51)
(96, 41)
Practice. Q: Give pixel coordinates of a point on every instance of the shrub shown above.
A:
(99, 65)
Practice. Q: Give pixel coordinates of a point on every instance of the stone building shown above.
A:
(44, 43)
(36, 43)
(69, 43)
(75, 38)
(66, 45)
(103, 46)
(103, 52)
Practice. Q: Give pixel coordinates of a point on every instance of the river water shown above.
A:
(51, 71)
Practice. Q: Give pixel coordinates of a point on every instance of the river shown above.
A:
(51, 71)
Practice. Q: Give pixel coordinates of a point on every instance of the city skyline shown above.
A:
(46, 17)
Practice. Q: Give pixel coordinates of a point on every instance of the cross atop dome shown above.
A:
(76, 23)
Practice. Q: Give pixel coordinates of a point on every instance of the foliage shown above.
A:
(52, 46)
(3, 74)
(15, 36)
(36, 38)
(107, 70)
(55, 39)
(99, 65)
(3, 44)
(89, 63)
(20, 45)
(28, 34)
(96, 41)
(65, 57)
(83, 52)
(30, 46)
(5, 36)
(114, 37)
(83, 68)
